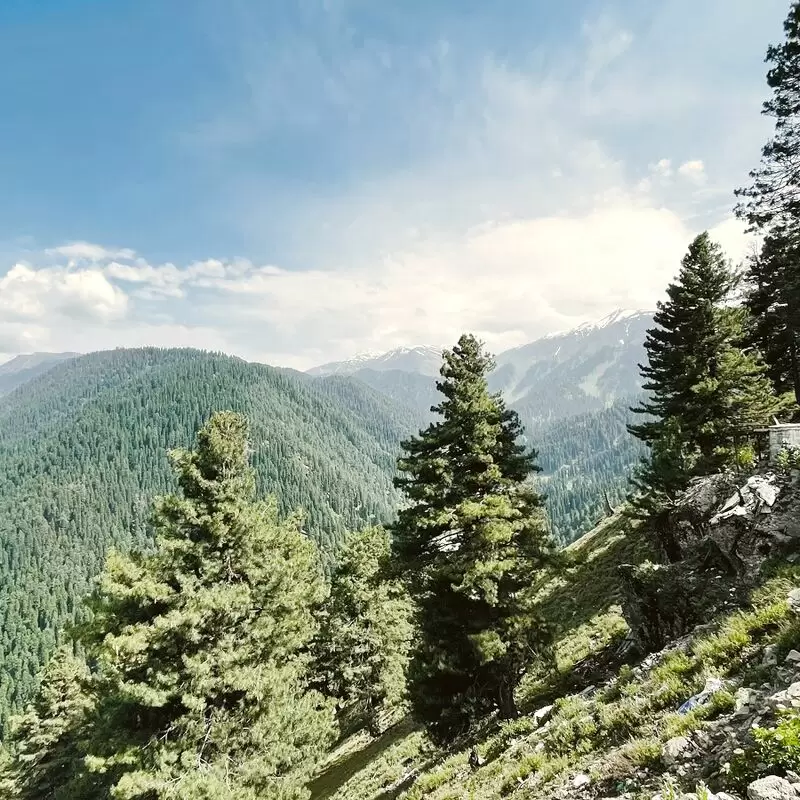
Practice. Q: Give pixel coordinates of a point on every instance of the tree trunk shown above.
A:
(609, 507)
(506, 702)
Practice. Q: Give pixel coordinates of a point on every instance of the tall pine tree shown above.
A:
(706, 392)
(48, 739)
(470, 541)
(200, 650)
(771, 205)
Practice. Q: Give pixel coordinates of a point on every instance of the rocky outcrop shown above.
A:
(722, 529)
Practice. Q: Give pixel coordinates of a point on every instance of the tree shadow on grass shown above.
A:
(590, 580)
(328, 782)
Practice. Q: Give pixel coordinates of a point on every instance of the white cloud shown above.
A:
(508, 280)
(527, 195)
(39, 294)
(694, 170)
(662, 168)
(86, 251)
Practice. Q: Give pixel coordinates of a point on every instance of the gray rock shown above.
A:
(794, 601)
(771, 788)
(770, 658)
(580, 781)
(542, 714)
(793, 657)
(746, 701)
(675, 749)
(788, 698)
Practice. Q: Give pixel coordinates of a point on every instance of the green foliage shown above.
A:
(788, 458)
(776, 750)
(365, 629)
(199, 648)
(770, 203)
(773, 298)
(771, 200)
(199, 653)
(47, 739)
(707, 393)
(470, 539)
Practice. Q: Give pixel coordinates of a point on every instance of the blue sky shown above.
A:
(295, 181)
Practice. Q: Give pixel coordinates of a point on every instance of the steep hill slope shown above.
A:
(83, 451)
(22, 369)
(586, 369)
(606, 724)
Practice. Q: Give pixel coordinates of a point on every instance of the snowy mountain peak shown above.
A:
(422, 358)
(620, 315)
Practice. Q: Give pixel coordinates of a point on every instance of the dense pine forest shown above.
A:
(84, 451)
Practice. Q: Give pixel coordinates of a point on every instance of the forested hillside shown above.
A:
(83, 449)
(584, 459)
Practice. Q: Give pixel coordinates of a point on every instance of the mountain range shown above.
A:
(586, 369)
(23, 368)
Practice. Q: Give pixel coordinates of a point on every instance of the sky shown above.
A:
(296, 181)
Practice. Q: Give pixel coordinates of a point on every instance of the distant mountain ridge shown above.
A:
(562, 374)
(23, 368)
(421, 359)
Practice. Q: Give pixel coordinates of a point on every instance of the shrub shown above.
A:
(775, 752)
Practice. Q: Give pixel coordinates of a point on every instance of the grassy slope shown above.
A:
(612, 734)
(583, 602)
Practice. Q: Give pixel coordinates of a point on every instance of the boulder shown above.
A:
(675, 750)
(788, 698)
(746, 701)
(580, 781)
(541, 715)
(771, 788)
(770, 657)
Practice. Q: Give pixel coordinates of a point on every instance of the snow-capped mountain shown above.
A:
(420, 359)
(585, 369)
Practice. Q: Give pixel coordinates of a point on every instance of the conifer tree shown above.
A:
(771, 205)
(200, 648)
(47, 738)
(773, 300)
(365, 630)
(773, 198)
(8, 781)
(470, 541)
(706, 392)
